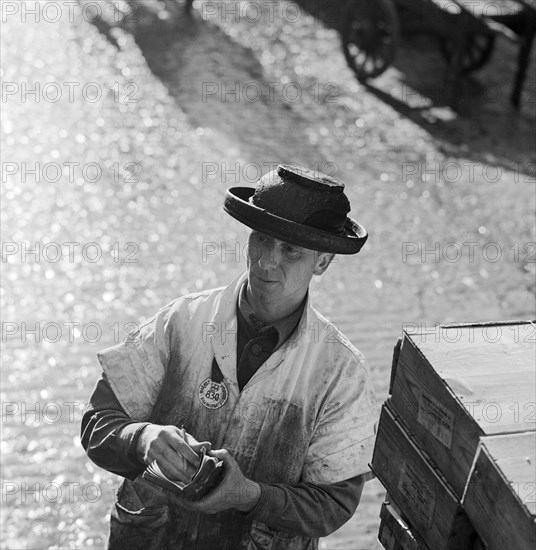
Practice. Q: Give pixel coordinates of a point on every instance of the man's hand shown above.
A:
(174, 449)
(234, 491)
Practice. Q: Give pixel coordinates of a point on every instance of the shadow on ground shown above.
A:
(213, 78)
(484, 123)
(200, 65)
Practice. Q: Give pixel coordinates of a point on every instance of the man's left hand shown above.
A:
(234, 491)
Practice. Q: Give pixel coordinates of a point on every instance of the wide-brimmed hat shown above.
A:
(299, 206)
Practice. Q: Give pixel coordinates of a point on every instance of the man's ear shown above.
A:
(322, 262)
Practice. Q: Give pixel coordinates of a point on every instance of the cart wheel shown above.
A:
(477, 54)
(370, 36)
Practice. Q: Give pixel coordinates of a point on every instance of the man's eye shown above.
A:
(291, 251)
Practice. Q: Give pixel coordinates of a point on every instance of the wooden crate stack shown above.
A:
(456, 445)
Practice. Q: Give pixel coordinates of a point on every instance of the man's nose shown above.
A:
(270, 258)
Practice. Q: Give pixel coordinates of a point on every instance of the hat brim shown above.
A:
(237, 205)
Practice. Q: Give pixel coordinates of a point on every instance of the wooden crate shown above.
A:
(500, 497)
(434, 513)
(394, 533)
(452, 385)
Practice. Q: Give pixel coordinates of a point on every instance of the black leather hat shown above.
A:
(299, 206)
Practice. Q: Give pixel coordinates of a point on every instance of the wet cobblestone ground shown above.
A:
(138, 124)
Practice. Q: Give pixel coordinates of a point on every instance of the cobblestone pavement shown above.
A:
(136, 124)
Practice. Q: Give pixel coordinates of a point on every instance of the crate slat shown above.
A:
(500, 496)
(434, 513)
(394, 532)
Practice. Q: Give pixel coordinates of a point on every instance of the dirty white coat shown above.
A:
(308, 413)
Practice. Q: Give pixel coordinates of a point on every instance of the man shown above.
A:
(252, 372)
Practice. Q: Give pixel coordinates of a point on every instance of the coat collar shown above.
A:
(225, 329)
(284, 326)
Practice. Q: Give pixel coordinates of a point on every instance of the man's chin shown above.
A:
(260, 290)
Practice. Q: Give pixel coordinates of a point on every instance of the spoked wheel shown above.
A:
(370, 36)
(477, 53)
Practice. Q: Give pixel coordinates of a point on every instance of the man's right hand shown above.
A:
(173, 449)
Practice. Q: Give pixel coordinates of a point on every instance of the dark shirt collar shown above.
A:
(284, 326)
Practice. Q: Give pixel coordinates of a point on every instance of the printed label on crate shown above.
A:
(421, 500)
(437, 419)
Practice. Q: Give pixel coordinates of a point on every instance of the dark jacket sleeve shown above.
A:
(108, 435)
(308, 509)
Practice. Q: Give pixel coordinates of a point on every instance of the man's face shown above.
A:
(279, 272)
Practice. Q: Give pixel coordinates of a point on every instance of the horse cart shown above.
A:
(466, 31)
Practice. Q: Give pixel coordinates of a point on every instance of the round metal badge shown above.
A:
(213, 395)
